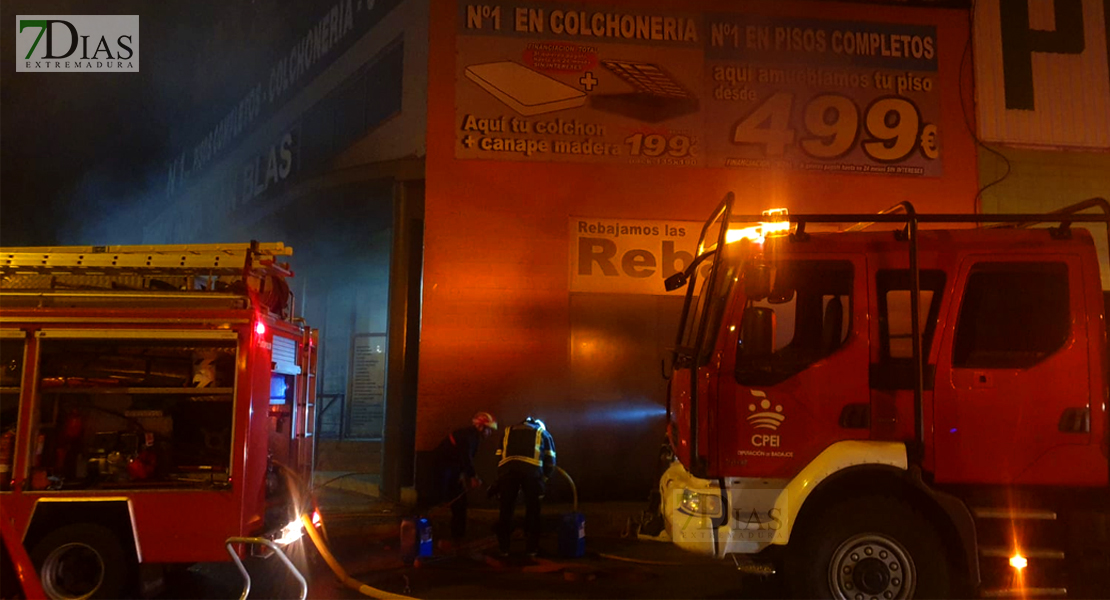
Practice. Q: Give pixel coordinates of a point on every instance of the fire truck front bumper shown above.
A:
(736, 515)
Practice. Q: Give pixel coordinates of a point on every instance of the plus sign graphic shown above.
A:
(588, 81)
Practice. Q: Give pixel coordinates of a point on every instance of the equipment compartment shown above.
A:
(133, 413)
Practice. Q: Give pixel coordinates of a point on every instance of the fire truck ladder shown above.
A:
(116, 271)
(181, 260)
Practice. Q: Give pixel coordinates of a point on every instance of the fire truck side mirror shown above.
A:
(757, 334)
(757, 281)
(675, 281)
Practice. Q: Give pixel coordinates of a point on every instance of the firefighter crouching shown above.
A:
(454, 472)
(527, 460)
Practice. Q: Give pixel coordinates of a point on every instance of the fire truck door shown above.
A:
(1013, 360)
(770, 423)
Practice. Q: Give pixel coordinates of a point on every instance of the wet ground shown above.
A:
(365, 539)
(593, 576)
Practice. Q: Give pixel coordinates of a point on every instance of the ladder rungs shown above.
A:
(1023, 592)
(196, 259)
(270, 248)
(1001, 552)
(1006, 513)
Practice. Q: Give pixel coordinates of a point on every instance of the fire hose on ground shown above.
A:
(362, 588)
(325, 552)
(574, 496)
(370, 591)
(340, 572)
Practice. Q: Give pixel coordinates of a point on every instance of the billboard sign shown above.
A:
(553, 82)
(629, 256)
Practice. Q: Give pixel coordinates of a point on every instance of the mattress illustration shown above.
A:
(657, 97)
(524, 90)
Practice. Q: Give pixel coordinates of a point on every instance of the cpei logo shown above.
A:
(765, 418)
(77, 43)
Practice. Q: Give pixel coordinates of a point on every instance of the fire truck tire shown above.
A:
(868, 548)
(84, 561)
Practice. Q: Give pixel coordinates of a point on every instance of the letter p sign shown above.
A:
(1020, 39)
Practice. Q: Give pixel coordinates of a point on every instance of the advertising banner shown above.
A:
(822, 95)
(629, 256)
(556, 82)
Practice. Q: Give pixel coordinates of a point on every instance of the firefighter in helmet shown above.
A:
(454, 470)
(527, 460)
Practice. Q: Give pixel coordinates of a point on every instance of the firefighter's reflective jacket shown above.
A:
(527, 446)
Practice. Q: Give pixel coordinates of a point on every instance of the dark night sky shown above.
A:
(79, 146)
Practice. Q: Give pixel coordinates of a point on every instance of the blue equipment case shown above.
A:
(572, 535)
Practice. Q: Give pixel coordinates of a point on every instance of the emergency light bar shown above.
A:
(777, 223)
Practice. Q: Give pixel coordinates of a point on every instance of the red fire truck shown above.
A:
(887, 411)
(154, 402)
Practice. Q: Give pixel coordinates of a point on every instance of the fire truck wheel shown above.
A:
(83, 561)
(869, 548)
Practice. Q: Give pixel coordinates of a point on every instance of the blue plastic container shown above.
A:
(416, 538)
(572, 535)
(423, 537)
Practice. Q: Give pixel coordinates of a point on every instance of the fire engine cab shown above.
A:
(155, 401)
(893, 411)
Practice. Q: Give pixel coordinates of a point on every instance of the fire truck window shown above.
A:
(1013, 315)
(11, 377)
(718, 301)
(127, 414)
(813, 324)
(281, 388)
(896, 370)
(900, 322)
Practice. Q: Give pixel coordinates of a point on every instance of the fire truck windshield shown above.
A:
(811, 307)
(707, 306)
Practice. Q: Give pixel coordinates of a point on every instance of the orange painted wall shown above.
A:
(495, 331)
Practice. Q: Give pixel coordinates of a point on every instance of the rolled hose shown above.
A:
(336, 568)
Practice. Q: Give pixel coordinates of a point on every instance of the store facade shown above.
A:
(484, 198)
(575, 149)
(324, 152)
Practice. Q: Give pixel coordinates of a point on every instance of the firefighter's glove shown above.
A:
(474, 483)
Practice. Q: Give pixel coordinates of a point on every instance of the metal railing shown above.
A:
(231, 541)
